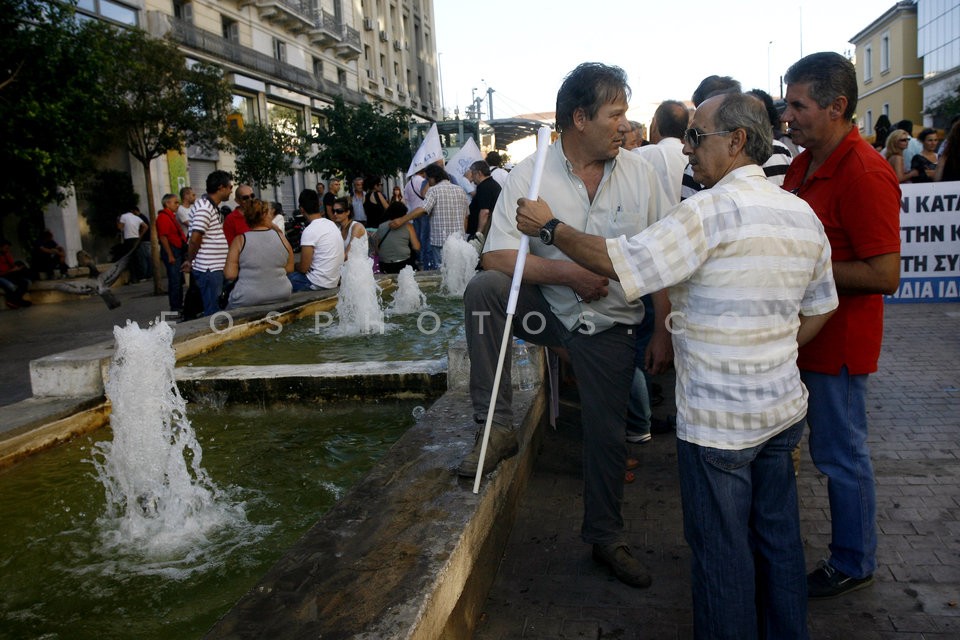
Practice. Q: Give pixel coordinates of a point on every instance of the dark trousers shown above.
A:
(174, 276)
(603, 365)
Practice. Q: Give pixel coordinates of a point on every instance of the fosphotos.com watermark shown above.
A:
(428, 322)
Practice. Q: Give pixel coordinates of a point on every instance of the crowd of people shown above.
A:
(747, 247)
(216, 258)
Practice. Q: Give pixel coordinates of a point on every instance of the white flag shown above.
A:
(429, 152)
(461, 161)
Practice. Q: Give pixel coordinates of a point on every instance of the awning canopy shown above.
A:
(509, 130)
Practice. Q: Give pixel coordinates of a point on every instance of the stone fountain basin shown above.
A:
(410, 552)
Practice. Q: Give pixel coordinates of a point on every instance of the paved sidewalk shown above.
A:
(45, 329)
(548, 587)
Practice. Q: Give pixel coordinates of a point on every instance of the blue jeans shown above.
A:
(210, 284)
(301, 282)
(428, 261)
(174, 277)
(742, 522)
(837, 416)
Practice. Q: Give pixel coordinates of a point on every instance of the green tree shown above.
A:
(265, 153)
(945, 108)
(163, 104)
(360, 141)
(54, 113)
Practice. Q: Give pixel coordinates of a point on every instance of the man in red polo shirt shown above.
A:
(173, 248)
(235, 224)
(857, 198)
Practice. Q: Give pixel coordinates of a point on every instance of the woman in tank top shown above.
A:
(258, 260)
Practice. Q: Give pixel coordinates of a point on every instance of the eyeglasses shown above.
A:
(339, 210)
(246, 197)
(694, 136)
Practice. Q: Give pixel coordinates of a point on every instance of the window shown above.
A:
(230, 29)
(868, 122)
(885, 110)
(318, 68)
(342, 77)
(885, 52)
(246, 106)
(108, 10)
(868, 63)
(279, 49)
(183, 11)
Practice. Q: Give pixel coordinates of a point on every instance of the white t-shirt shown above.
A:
(131, 225)
(324, 236)
(183, 217)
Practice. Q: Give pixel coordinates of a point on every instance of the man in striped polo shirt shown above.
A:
(207, 250)
(749, 271)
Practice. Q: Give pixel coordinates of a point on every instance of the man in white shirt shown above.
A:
(749, 270)
(187, 198)
(132, 228)
(321, 247)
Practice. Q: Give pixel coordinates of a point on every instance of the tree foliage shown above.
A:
(264, 154)
(361, 141)
(944, 109)
(54, 113)
(106, 193)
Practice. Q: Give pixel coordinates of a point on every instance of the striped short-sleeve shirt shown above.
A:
(205, 218)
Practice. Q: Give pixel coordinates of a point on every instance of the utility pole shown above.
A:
(490, 102)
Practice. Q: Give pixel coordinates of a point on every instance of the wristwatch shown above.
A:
(547, 231)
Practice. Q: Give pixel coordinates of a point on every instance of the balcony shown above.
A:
(295, 16)
(234, 57)
(349, 47)
(326, 31)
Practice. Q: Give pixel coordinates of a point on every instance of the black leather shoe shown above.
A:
(620, 560)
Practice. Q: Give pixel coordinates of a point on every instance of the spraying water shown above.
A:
(358, 303)
(408, 298)
(459, 264)
(162, 506)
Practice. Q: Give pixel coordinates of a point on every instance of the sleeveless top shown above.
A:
(263, 274)
(349, 238)
(395, 247)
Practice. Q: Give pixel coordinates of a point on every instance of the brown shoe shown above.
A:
(501, 445)
(620, 560)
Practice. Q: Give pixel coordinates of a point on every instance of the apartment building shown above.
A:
(888, 69)
(286, 60)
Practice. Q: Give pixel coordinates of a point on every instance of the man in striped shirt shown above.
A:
(749, 271)
(207, 250)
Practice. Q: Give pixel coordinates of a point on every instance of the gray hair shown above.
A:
(830, 76)
(742, 111)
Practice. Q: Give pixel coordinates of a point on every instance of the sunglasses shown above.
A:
(247, 197)
(339, 210)
(694, 137)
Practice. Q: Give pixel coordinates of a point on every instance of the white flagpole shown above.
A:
(543, 141)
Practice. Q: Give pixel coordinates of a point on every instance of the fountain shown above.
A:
(408, 298)
(161, 503)
(166, 549)
(459, 264)
(359, 306)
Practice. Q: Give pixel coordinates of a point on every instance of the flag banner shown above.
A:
(429, 152)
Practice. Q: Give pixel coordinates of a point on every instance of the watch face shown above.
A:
(546, 237)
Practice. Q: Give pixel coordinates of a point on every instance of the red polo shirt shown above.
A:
(234, 224)
(169, 227)
(857, 198)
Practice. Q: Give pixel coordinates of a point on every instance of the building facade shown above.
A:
(286, 60)
(888, 69)
(938, 43)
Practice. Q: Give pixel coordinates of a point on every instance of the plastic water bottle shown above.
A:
(526, 375)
